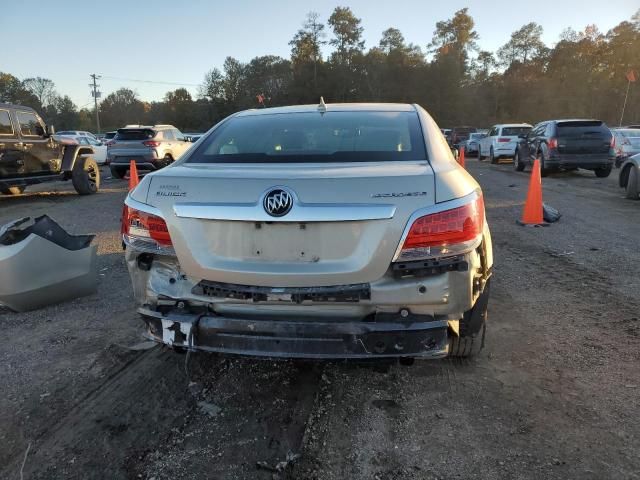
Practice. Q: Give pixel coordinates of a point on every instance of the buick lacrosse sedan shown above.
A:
(315, 231)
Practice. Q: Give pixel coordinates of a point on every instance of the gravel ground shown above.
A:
(554, 394)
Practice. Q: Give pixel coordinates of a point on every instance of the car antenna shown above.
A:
(322, 107)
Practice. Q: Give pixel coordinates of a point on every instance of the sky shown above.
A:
(178, 42)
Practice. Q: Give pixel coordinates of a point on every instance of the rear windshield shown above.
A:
(314, 137)
(581, 128)
(515, 131)
(135, 134)
(629, 133)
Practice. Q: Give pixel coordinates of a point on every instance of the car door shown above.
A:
(40, 154)
(10, 152)
(99, 150)
(533, 141)
(486, 142)
(169, 144)
(181, 143)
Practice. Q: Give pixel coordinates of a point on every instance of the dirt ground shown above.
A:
(555, 394)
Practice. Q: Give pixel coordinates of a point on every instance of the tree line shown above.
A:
(583, 75)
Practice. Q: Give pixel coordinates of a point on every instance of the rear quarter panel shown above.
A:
(451, 180)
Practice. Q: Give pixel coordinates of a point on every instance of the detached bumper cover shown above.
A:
(387, 336)
(42, 264)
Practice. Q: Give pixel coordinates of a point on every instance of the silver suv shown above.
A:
(326, 231)
(152, 148)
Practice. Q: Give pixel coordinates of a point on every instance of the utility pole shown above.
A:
(96, 95)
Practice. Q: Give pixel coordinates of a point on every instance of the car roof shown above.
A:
(18, 107)
(331, 107)
(512, 125)
(574, 120)
(143, 127)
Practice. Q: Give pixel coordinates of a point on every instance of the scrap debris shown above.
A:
(42, 264)
(280, 466)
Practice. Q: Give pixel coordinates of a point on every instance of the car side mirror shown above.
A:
(50, 131)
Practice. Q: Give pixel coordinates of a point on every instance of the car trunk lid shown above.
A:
(131, 140)
(583, 137)
(343, 228)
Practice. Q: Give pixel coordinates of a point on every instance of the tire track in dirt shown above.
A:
(262, 410)
(135, 406)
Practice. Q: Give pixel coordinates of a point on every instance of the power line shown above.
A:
(150, 81)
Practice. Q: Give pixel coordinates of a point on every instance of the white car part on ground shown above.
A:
(42, 264)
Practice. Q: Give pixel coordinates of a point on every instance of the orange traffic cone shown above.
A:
(461, 157)
(532, 213)
(133, 175)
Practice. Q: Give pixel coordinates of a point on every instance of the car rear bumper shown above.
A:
(144, 161)
(506, 151)
(139, 164)
(586, 161)
(386, 336)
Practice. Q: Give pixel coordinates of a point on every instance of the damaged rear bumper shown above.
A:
(387, 336)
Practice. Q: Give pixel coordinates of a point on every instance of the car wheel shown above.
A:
(518, 165)
(167, 160)
(602, 172)
(118, 173)
(85, 176)
(473, 328)
(17, 190)
(632, 184)
(492, 158)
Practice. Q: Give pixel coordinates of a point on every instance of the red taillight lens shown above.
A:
(504, 140)
(145, 231)
(151, 143)
(448, 232)
(552, 143)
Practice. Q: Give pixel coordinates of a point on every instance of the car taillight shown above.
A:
(449, 232)
(504, 140)
(145, 232)
(151, 143)
(552, 143)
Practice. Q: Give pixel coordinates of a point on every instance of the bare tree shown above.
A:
(43, 88)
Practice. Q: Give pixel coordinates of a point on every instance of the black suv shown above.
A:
(567, 145)
(30, 154)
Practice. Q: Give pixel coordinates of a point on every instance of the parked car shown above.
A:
(152, 148)
(627, 143)
(501, 141)
(98, 147)
(30, 153)
(77, 133)
(567, 145)
(109, 136)
(248, 245)
(629, 178)
(459, 135)
(471, 146)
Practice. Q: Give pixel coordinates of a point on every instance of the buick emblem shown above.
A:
(278, 202)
